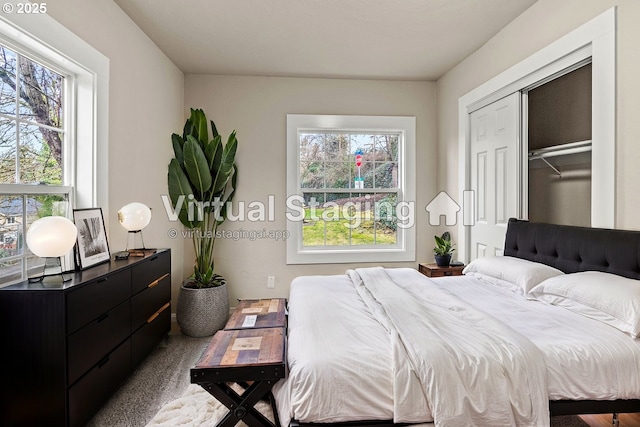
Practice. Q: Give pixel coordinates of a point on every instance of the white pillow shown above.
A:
(614, 300)
(523, 274)
(498, 283)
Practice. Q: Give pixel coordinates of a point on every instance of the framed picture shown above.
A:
(92, 246)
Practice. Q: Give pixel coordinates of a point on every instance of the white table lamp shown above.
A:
(134, 217)
(51, 237)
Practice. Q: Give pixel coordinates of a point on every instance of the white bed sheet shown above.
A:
(339, 356)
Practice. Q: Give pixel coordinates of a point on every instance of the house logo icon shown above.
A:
(443, 205)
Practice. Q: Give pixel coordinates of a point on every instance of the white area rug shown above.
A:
(196, 407)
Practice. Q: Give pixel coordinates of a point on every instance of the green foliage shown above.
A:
(48, 205)
(203, 173)
(444, 246)
(386, 212)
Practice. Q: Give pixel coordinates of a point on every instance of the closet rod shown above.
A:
(561, 150)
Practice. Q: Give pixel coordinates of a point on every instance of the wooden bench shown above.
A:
(258, 313)
(251, 356)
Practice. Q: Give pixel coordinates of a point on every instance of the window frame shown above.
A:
(404, 249)
(26, 191)
(44, 40)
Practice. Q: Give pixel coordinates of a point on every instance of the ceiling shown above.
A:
(364, 39)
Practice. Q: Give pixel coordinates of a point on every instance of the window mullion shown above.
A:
(22, 242)
(69, 159)
(38, 124)
(19, 189)
(17, 116)
(348, 190)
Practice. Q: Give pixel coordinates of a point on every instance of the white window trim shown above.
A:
(405, 249)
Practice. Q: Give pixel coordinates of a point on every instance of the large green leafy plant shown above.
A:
(202, 180)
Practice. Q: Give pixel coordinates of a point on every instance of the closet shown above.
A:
(558, 124)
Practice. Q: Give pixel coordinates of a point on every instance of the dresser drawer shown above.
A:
(150, 334)
(145, 303)
(96, 298)
(150, 270)
(88, 394)
(91, 343)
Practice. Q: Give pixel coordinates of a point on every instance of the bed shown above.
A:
(514, 340)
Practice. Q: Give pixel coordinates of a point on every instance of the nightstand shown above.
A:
(432, 270)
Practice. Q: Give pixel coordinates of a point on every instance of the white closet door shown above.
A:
(495, 173)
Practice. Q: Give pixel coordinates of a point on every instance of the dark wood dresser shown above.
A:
(66, 347)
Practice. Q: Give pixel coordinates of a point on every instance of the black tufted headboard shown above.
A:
(572, 249)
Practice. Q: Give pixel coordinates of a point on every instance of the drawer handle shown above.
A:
(102, 318)
(155, 282)
(157, 313)
(102, 280)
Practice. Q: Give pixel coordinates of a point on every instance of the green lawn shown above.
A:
(342, 231)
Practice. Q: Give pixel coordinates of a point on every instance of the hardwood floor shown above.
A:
(604, 420)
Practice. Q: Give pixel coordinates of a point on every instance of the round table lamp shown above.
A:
(134, 217)
(51, 237)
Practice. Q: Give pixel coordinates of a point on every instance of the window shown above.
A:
(33, 145)
(52, 95)
(32, 130)
(351, 189)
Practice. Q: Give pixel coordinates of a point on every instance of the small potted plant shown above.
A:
(443, 250)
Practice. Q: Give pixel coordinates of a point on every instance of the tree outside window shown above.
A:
(32, 144)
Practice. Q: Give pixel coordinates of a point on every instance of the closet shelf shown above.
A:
(560, 150)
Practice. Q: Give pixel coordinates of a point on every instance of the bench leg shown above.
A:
(241, 407)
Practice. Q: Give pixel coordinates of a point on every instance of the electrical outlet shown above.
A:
(271, 282)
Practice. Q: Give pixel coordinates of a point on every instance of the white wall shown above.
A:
(543, 23)
(146, 100)
(149, 98)
(256, 108)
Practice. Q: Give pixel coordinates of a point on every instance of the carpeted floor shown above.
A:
(196, 407)
(162, 380)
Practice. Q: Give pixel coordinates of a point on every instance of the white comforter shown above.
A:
(467, 365)
(340, 356)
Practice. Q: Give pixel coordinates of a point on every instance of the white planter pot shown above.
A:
(202, 312)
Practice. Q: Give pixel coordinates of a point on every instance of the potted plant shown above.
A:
(202, 180)
(443, 250)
